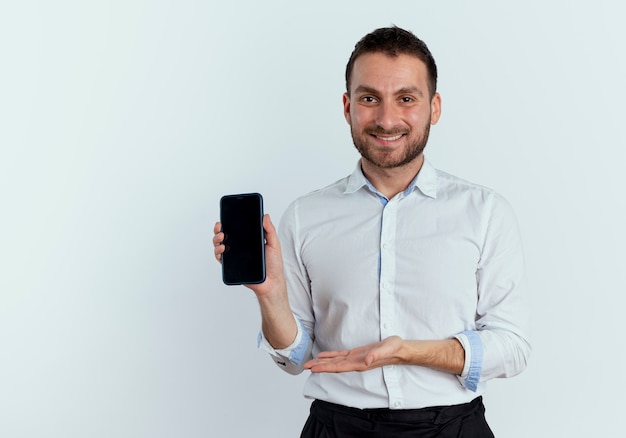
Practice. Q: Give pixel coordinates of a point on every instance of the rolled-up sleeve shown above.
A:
(472, 344)
(292, 357)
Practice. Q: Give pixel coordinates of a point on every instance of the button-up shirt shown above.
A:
(440, 260)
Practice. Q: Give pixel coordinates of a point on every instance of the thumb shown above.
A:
(270, 232)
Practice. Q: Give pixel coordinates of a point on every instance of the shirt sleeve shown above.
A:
(292, 357)
(502, 322)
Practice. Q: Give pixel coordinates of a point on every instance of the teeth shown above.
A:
(389, 138)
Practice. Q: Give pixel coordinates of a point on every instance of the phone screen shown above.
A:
(243, 262)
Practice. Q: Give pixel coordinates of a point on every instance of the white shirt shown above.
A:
(442, 259)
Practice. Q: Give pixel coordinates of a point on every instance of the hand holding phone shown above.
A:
(241, 217)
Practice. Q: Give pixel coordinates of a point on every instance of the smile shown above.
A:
(395, 137)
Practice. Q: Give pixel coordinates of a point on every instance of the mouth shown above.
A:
(388, 137)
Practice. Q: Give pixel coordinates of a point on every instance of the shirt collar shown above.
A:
(425, 181)
(356, 180)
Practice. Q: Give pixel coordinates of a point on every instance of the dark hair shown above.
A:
(394, 41)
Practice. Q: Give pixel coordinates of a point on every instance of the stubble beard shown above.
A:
(384, 160)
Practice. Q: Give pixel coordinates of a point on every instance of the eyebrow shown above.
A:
(404, 90)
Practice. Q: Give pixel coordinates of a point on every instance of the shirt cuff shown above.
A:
(473, 346)
(294, 353)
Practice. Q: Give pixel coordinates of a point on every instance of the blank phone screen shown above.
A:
(242, 223)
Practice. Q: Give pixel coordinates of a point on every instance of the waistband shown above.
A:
(434, 414)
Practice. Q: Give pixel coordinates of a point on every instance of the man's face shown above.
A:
(389, 109)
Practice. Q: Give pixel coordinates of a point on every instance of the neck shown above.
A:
(392, 181)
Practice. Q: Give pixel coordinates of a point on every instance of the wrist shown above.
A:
(273, 295)
(403, 354)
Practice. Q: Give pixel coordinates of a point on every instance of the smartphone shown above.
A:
(241, 216)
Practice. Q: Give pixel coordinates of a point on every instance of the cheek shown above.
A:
(358, 118)
(418, 120)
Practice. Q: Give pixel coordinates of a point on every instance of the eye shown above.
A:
(407, 99)
(368, 99)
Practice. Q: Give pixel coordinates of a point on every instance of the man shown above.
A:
(398, 287)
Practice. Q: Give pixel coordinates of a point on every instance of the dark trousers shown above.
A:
(328, 420)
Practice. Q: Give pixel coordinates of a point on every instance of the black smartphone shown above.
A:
(241, 216)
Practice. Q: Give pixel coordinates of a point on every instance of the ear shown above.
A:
(435, 109)
(346, 107)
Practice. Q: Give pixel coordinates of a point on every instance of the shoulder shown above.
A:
(449, 185)
(339, 202)
(471, 196)
(447, 182)
(313, 204)
(321, 196)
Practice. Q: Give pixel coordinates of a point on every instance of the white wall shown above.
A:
(123, 122)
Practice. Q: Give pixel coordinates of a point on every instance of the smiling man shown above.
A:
(400, 286)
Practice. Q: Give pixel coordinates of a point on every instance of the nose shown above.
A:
(387, 116)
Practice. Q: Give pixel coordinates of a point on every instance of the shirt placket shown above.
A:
(387, 295)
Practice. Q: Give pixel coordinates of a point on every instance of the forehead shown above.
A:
(382, 71)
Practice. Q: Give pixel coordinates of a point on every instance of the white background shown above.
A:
(123, 122)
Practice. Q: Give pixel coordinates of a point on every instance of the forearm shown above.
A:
(277, 321)
(283, 337)
(445, 355)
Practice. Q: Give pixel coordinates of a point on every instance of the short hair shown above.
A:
(394, 41)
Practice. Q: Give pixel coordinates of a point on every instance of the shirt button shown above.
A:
(397, 404)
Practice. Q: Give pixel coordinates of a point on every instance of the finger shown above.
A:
(335, 367)
(271, 237)
(331, 354)
(218, 239)
(218, 246)
(219, 250)
(316, 366)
